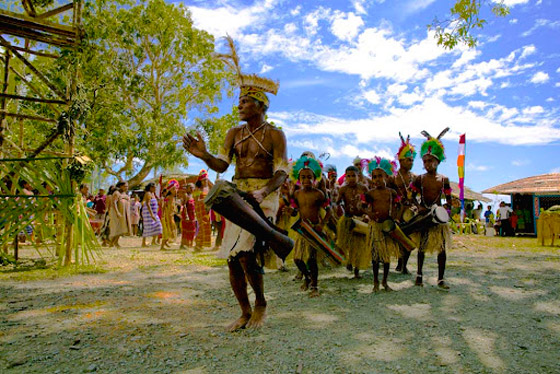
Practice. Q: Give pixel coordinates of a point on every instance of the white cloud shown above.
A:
(513, 21)
(555, 170)
(466, 56)
(432, 115)
(528, 50)
(346, 26)
(541, 23)
(302, 83)
(477, 104)
(417, 5)
(294, 12)
(474, 167)
(290, 28)
(335, 150)
(494, 38)
(540, 77)
(537, 109)
(229, 19)
(550, 100)
(266, 68)
(558, 70)
(372, 97)
(512, 3)
(360, 6)
(520, 162)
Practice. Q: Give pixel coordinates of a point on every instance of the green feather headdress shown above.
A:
(389, 167)
(305, 162)
(433, 146)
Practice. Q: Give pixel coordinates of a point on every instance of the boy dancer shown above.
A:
(352, 195)
(431, 186)
(383, 206)
(309, 200)
(401, 184)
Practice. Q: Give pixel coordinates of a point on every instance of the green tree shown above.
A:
(144, 70)
(465, 19)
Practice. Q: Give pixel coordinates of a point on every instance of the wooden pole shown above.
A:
(3, 99)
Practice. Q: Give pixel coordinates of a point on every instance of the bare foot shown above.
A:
(305, 285)
(418, 281)
(405, 271)
(349, 267)
(441, 284)
(314, 292)
(386, 287)
(357, 274)
(239, 323)
(257, 319)
(375, 287)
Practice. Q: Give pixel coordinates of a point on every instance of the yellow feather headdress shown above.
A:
(250, 84)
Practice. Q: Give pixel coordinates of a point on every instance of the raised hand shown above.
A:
(195, 146)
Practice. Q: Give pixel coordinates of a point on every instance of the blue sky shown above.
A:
(354, 73)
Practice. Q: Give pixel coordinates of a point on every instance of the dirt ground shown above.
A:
(141, 310)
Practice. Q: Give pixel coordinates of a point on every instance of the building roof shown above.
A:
(540, 184)
(469, 194)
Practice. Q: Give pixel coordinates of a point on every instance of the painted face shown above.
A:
(406, 162)
(430, 163)
(378, 177)
(248, 108)
(351, 178)
(306, 178)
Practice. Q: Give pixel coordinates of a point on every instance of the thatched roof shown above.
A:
(540, 184)
(469, 194)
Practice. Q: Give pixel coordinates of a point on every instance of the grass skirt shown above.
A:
(303, 250)
(382, 245)
(352, 244)
(436, 239)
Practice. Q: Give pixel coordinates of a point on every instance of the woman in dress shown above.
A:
(204, 236)
(188, 218)
(152, 224)
(167, 214)
(135, 214)
(119, 216)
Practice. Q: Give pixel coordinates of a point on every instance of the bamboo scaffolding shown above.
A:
(6, 44)
(56, 11)
(36, 53)
(3, 99)
(33, 99)
(35, 27)
(33, 88)
(26, 116)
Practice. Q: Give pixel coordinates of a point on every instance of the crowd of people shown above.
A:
(177, 213)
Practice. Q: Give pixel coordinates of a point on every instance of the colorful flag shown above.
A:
(461, 171)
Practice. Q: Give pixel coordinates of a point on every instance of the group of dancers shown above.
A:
(352, 211)
(259, 152)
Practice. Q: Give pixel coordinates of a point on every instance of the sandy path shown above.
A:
(165, 312)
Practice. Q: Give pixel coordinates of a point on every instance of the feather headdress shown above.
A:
(305, 162)
(250, 84)
(389, 167)
(406, 149)
(433, 146)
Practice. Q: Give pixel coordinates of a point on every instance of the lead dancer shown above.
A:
(261, 167)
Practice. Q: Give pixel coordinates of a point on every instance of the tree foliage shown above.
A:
(144, 69)
(465, 19)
